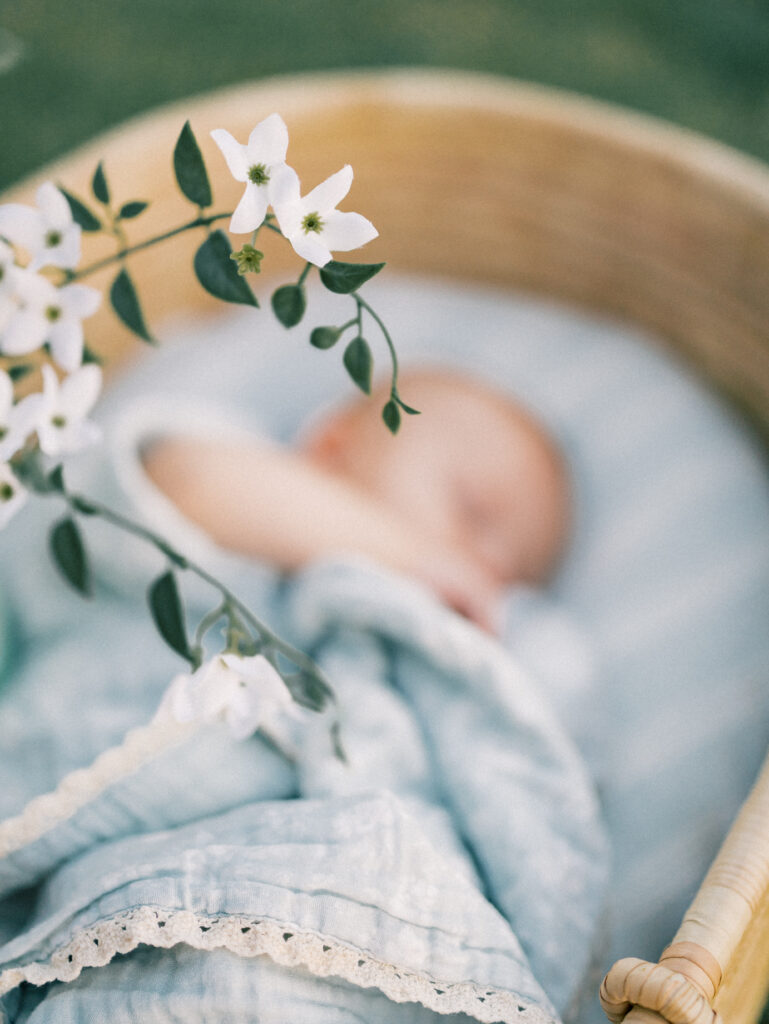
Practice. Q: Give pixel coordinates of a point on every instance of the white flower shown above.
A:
(12, 495)
(247, 693)
(255, 163)
(48, 233)
(313, 225)
(18, 421)
(7, 268)
(62, 426)
(45, 313)
(9, 278)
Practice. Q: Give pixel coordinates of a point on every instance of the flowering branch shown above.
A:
(129, 250)
(43, 312)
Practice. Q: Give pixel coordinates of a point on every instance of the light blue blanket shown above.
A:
(455, 864)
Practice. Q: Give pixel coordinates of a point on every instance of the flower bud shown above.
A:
(248, 259)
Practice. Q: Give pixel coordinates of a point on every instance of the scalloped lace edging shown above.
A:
(245, 936)
(81, 786)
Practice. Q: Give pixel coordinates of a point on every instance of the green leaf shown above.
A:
(308, 689)
(325, 337)
(168, 614)
(391, 414)
(19, 371)
(80, 212)
(406, 408)
(32, 472)
(99, 185)
(69, 555)
(344, 278)
(336, 742)
(130, 210)
(83, 505)
(190, 169)
(56, 479)
(125, 302)
(89, 356)
(218, 273)
(359, 363)
(289, 304)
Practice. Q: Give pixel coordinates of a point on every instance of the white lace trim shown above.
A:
(245, 936)
(80, 787)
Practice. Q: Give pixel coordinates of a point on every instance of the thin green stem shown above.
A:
(303, 276)
(198, 222)
(269, 223)
(208, 621)
(86, 506)
(393, 355)
(117, 231)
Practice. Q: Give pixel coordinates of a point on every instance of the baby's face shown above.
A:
(472, 471)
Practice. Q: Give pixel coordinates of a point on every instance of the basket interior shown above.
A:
(488, 181)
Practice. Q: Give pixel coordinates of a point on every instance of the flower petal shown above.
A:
(9, 445)
(175, 704)
(250, 211)
(6, 397)
(347, 230)
(22, 225)
(25, 331)
(53, 206)
(269, 681)
(65, 254)
(268, 142)
(324, 197)
(48, 437)
(22, 421)
(78, 392)
(283, 187)
(50, 386)
(66, 340)
(26, 413)
(243, 723)
(74, 437)
(310, 247)
(79, 300)
(7, 309)
(33, 290)
(233, 152)
(12, 503)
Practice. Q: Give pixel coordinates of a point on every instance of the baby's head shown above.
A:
(473, 470)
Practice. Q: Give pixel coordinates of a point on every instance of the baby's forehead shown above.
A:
(451, 396)
(476, 406)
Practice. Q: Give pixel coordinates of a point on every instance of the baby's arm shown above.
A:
(273, 504)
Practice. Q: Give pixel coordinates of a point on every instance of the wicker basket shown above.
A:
(517, 185)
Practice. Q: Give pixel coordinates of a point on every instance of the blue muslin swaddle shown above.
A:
(454, 864)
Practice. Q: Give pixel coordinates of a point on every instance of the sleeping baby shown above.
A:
(470, 497)
(424, 877)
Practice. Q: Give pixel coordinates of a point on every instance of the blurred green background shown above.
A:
(67, 70)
